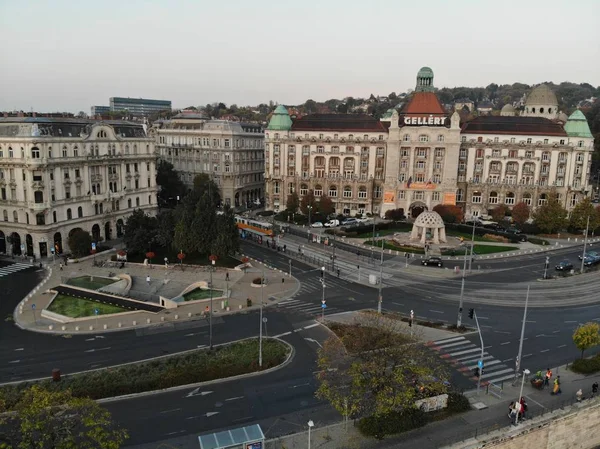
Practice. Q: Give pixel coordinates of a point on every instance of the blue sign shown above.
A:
(95, 311)
(480, 364)
(324, 306)
(33, 306)
(93, 246)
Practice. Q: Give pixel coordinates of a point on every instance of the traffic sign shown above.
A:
(33, 306)
(93, 246)
(480, 364)
(323, 306)
(96, 312)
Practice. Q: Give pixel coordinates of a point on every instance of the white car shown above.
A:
(316, 224)
(332, 223)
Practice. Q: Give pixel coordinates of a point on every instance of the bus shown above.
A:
(253, 226)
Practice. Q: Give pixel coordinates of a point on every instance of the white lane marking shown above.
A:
(527, 355)
(99, 349)
(14, 361)
(436, 311)
(398, 304)
(300, 385)
(487, 347)
(20, 349)
(209, 414)
(505, 343)
(90, 339)
(556, 332)
(507, 360)
(311, 326)
(201, 346)
(314, 341)
(197, 392)
(454, 354)
(234, 399)
(502, 332)
(170, 411)
(539, 335)
(567, 322)
(483, 317)
(562, 346)
(458, 343)
(448, 340)
(282, 335)
(545, 350)
(174, 433)
(495, 373)
(485, 325)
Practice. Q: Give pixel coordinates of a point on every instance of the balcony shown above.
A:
(38, 207)
(96, 178)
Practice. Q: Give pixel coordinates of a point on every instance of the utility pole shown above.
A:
(472, 246)
(462, 291)
(373, 239)
(587, 226)
(480, 364)
(323, 305)
(518, 362)
(546, 267)
(210, 345)
(260, 324)
(309, 207)
(333, 255)
(290, 267)
(380, 280)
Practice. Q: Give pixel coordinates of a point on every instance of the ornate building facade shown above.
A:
(231, 153)
(57, 175)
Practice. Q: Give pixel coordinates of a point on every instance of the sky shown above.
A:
(59, 55)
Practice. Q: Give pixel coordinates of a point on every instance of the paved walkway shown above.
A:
(166, 282)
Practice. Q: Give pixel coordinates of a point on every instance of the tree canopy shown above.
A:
(552, 216)
(520, 213)
(80, 243)
(308, 200)
(293, 202)
(326, 206)
(56, 420)
(580, 214)
(141, 232)
(170, 185)
(587, 336)
(449, 213)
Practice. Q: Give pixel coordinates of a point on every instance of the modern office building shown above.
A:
(231, 153)
(139, 106)
(99, 110)
(58, 175)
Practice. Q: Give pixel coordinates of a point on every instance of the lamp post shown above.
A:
(462, 291)
(380, 280)
(260, 333)
(546, 267)
(472, 246)
(587, 226)
(518, 363)
(310, 425)
(213, 259)
(373, 239)
(526, 372)
(309, 207)
(323, 295)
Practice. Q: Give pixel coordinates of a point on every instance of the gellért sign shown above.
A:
(431, 121)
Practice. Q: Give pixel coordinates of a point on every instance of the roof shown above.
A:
(280, 120)
(508, 108)
(530, 126)
(233, 437)
(338, 122)
(424, 103)
(577, 125)
(425, 72)
(541, 95)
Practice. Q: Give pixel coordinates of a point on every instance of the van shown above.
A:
(332, 223)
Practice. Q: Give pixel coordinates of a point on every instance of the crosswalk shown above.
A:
(312, 308)
(464, 355)
(5, 271)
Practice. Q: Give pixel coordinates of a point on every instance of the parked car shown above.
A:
(564, 265)
(316, 224)
(591, 260)
(590, 254)
(332, 223)
(350, 221)
(432, 261)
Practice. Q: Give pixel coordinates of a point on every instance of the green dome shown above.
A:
(425, 80)
(577, 125)
(425, 72)
(280, 120)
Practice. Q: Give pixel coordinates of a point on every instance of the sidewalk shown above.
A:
(167, 282)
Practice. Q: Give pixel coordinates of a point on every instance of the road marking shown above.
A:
(398, 304)
(436, 311)
(201, 346)
(99, 349)
(282, 335)
(527, 355)
(502, 332)
(507, 360)
(535, 402)
(20, 349)
(561, 346)
(483, 317)
(234, 399)
(567, 322)
(530, 321)
(174, 433)
(301, 385)
(448, 340)
(14, 361)
(539, 335)
(314, 341)
(505, 343)
(311, 326)
(483, 325)
(209, 414)
(555, 332)
(545, 350)
(454, 354)
(170, 411)
(90, 339)
(197, 392)
(486, 347)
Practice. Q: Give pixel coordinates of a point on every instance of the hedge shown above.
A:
(390, 423)
(197, 366)
(586, 366)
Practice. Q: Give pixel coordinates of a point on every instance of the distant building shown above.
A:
(100, 110)
(485, 107)
(464, 103)
(139, 106)
(231, 153)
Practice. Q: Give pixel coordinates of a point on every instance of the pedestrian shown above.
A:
(61, 266)
(594, 388)
(227, 276)
(512, 412)
(547, 377)
(148, 279)
(579, 395)
(523, 407)
(556, 390)
(338, 273)
(517, 412)
(284, 248)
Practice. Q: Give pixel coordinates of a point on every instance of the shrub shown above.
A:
(458, 403)
(392, 423)
(586, 366)
(265, 213)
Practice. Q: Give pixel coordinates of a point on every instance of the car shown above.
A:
(350, 221)
(564, 265)
(591, 260)
(332, 223)
(590, 254)
(316, 224)
(432, 261)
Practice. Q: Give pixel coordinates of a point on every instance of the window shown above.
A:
(479, 153)
(493, 198)
(562, 141)
(463, 139)
(347, 192)
(496, 153)
(420, 165)
(66, 174)
(137, 202)
(79, 212)
(528, 154)
(513, 140)
(419, 195)
(423, 138)
(527, 199)
(318, 190)
(406, 138)
(435, 196)
(65, 152)
(54, 220)
(459, 195)
(303, 189)
(496, 139)
(513, 153)
(5, 213)
(509, 199)
(69, 214)
(402, 194)
(128, 203)
(580, 144)
(543, 199)
(476, 198)
(333, 191)
(529, 140)
(35, 153)
(378, 191)
(362, 192)
(10, 152)
(67, 192)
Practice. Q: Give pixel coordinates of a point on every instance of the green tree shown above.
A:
(141, 232)
(227, 240)
(203, 184)
(308, 200)
(167, 219)
(552, 216)
(372, 369)
(170, 185)
(520, 213)
(293, 202)
(310, 107)
(587, 336)
(499, 212)
(395, 214)
(80, 243)
(449, 213)
(580, 214)
(56, 420)
(326, 206)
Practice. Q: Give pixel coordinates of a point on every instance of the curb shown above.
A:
(19, 308)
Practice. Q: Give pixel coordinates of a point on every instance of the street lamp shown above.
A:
(309, 207)
(472, 246)
(310, 425)
(518, 361)
(260, 333)
(373, 239)
(526, 372)
(462, 290)
(587, 227)
(213, 259)
(546, 267)
(380, 279)
(323, 296)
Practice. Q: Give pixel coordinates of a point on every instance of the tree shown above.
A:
(80, 243)
(552, 216)
(587, 336)
(520, 213)
(326, 206)
(449, 213)
(227, 239)
(167, 220)
(499, 212)
(141, 232)
(376, 368)
(56, 420)
(293, 202)
(170, 185)
(395, 214)
(310, 106)
(204, 184)
(580, 214)
(308, 200)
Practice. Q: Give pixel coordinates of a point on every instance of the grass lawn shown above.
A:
(192, 259)
(386, 245)
(482, 249)
(87, 282)
(199, 293)
(400, 227)
(467, 236)
(79, 307)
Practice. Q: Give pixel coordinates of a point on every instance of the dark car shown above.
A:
(432, 261)
(564, 265)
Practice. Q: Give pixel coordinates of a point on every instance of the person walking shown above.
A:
(547, 377)
(594, 388)
(148, 279)
(338, 273)
(523, 407)
(227, 276)
(556, 390)
(61, 266)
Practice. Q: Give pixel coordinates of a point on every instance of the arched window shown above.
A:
(509, 199)
(527, 198)
(493, 199)
(303, 189)
(541, 110)
(543, 199)
(137, 202)
(318, 190)
(35, 153)
(533, 110)
(15, 216)
(129, 203)
(549, 110)
(5, 213)
(69, 214)
(347, 192)
(79, 212)
(362, 192)
(333, 191)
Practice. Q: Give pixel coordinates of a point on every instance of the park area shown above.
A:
(90, 282)
(74, 307)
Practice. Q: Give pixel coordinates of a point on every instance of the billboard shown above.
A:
(389, 197)
(450, 198)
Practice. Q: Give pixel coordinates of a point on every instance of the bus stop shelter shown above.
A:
(249, 437)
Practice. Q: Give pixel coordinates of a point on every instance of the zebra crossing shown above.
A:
(5, 271)
(309, 308)
(464, 355)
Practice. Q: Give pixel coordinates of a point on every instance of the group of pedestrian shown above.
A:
(517, 411)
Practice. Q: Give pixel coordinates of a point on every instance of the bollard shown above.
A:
(51, 327)
(64, 328)
(228, 309)
(189, 314)
(240, 307)
(91, 328)
(119, 324)
(76, 328)
(105, 326)
(162, 318)
(135, 323)
(176, 317)
(148, 321)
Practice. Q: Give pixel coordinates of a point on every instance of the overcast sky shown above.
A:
(69, 55)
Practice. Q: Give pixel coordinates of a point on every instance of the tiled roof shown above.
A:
(338, 122)
(536, 126)
(424, 103)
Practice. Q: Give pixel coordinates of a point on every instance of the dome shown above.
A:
(429, 219)
(424, 80)
(541, 95)
(425, 72)
(577, 125)
(507, 110)
(280, 120)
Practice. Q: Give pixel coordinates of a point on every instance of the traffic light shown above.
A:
(471, 313)
(476, 371)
